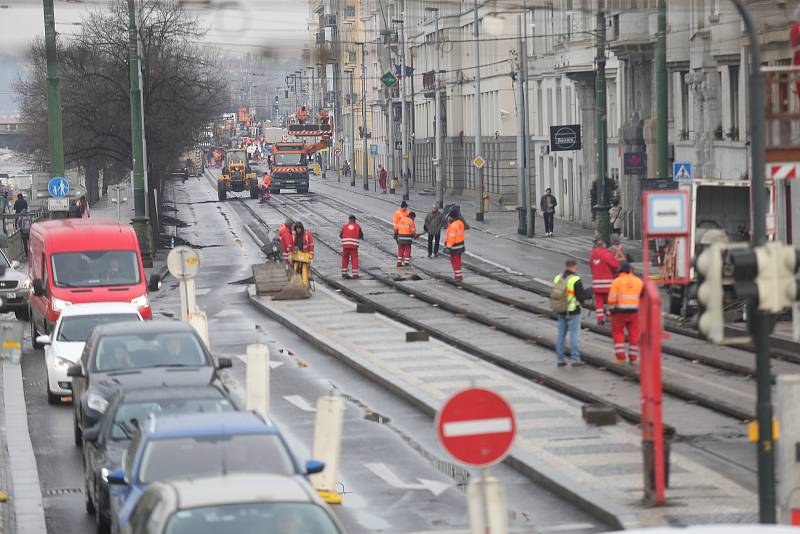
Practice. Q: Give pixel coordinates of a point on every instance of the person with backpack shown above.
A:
(24, 223)
(565, 300)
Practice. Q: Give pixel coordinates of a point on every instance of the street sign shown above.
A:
(476, 427)
(666, 213)
(183, 262)
(373, 149)
(479, 162)
(388, 79)
(633, 163)
(566, 137)
(682, 171)
(58, 187)
(57, 204)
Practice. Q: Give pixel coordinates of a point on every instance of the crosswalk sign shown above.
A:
(682, 171)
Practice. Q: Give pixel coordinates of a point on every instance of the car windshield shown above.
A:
(98, 268)
(236, 157)
(163, 349)
(215, 455)
(4, 260)
(79, 327)
(253, 518)
(124, 428)
(290, 159)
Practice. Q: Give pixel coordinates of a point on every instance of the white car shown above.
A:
(72, 329)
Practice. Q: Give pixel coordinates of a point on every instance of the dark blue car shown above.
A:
(199, 445)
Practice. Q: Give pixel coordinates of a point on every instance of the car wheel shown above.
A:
(77, 433)
(302, 190)
(22, 315)
(34, 335)
(103, 523)
(275, 190)
(90, 507)
(52, 399)
(222, 193)
(254, 193)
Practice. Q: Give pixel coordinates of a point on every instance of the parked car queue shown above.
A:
(166, 448)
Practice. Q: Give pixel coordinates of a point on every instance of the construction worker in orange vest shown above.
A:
(323, 116)
(351, 234)
(623, 301)
(454, 242)
(406, 233)
(286, 235)
(302, 115)
(263, 191)
(402, 211)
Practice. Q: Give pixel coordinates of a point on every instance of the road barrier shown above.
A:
(328, 447)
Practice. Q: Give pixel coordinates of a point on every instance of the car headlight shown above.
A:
(27, 284)
(58, 304)
(97, 403)
(141, 302)
(104, 474)
(63, 362)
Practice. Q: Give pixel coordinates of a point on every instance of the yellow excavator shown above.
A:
(237, 175)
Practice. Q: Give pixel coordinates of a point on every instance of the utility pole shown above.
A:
(352, 162)
(364, 116)
(55, 131)
(390, 153)
(602, 225)
(438, 114)
(140, 219)
(521, 156)
(403, 113)
(479, 186)
(662, 139)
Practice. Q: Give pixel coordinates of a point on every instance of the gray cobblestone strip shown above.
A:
(7, 525)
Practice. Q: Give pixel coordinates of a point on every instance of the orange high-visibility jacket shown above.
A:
(401, 212)
(267, 180)
(454, 240)
(625, 293)
(406, 230)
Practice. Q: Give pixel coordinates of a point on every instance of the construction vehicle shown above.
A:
(237, 175)
(290, 159)
(280, 281)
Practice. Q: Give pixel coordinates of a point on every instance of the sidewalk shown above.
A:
(597, 468)
(570, 239)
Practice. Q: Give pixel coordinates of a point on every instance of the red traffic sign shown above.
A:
(476, 427)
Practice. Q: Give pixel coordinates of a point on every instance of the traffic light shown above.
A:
(777, 285)
(711, 315)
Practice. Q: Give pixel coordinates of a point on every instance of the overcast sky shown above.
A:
(278, 26)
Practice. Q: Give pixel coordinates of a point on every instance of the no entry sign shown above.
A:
(476, 427)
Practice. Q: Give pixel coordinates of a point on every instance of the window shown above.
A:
(116, 353)
(78, 328)
(734, 92)
(253, 517)
(539, 106)
(123, 426)
(99, 268)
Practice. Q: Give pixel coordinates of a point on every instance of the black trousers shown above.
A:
(548, 222)
(433, 243)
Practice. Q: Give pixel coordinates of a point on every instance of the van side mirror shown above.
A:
(154, 284)
(314, 466)
(75, 371)
(224, 363)
(117, 477)
(38, 288)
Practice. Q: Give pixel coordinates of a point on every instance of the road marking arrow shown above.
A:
(300, 402)
(383, 472)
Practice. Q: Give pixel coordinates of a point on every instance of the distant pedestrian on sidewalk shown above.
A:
(548, 205)
(454, 242)
(346, 168)
(433, 226)
(20, 204)
(406, 233)
(565, 300)
(24, 223)
(615, 216)
(382, 177)
(351, 234)
(623, 299)
(604, 267)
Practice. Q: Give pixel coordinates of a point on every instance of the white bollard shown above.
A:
(188, 291)
(487, 495)
(328, 447)
(199, 320)
(257, 394)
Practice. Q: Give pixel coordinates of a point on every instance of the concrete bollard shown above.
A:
(199, 321)
(257, 380)
(188, 292)
(487, 496)
(328, 447)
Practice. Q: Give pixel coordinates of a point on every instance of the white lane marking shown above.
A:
(493, 263)
(568, 527)
(543, 282)
(476, 427)
(383, 472)
(272, 363)
(300, 403)
(203, 291)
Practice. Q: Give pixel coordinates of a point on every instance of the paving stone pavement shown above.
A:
(599, 467)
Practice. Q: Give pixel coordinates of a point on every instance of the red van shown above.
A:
(74, 261)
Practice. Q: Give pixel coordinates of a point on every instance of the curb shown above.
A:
(612, 514)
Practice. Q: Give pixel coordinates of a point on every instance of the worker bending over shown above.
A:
(623, 300)
(406, 233)
(286, 235)
(351, 234)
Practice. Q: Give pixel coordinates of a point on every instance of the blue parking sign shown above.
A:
(58, 187)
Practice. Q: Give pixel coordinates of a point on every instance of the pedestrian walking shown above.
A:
(264, 190)
(433, 226)
(382, 177)
(285, 234)
(402, 211)
(20, 204)
(548, 205)
(615, 216)
(346, 168)
(565, 300)
(454, 242)
(406, 233)
(618, 249)
(350, 235)
(623, 299)
(24, 223)
(604, 267)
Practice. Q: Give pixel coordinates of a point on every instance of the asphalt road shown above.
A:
(394, 476)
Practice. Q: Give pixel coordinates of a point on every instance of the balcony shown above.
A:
(630, 30)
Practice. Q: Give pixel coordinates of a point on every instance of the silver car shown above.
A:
(232, 504)
(14, 289)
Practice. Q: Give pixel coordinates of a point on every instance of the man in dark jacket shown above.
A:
(433, 225)
(548, 205)
(20, 204)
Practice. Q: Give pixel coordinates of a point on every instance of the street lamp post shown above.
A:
(55, 133)
(365, 155)
(437, 114)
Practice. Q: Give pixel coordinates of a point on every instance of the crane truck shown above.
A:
(290, 159)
